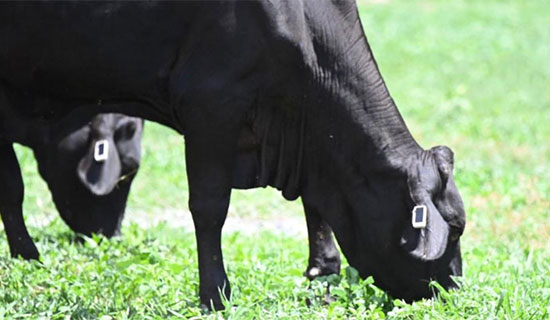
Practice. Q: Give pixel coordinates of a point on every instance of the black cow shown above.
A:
(271, 93)
(89, 172)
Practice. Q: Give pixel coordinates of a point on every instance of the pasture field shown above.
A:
(474, 75)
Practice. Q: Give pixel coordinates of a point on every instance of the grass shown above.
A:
(470, 74)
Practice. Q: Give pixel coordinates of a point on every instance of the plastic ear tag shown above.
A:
(101, 150)
(419, 216)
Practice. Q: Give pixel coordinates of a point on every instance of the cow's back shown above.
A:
(91, 48)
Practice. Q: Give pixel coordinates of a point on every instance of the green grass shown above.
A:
(470, 74)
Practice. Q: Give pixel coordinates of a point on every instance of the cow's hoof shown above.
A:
(212, 305)
(212, 300)
(325, 267)
(26, 251)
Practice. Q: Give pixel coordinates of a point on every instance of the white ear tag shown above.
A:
(101, 150)
(419, 216)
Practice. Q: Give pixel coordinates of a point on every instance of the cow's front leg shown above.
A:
(209, 157)
(11, 202)
(324, 258)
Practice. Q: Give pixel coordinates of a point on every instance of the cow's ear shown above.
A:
(99, 170)
(429, 242)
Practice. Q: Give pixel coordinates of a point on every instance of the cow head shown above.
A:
(434, 250)
(89, 172)
(431, 184)
(372, 220)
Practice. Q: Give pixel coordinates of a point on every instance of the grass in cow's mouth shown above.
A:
(470, 74)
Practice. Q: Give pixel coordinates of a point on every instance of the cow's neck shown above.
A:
(350, 90)
(328, 112)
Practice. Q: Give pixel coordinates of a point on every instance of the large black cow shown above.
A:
(88, 188)
(274, 93)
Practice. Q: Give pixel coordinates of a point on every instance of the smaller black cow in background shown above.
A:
(90, 192)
